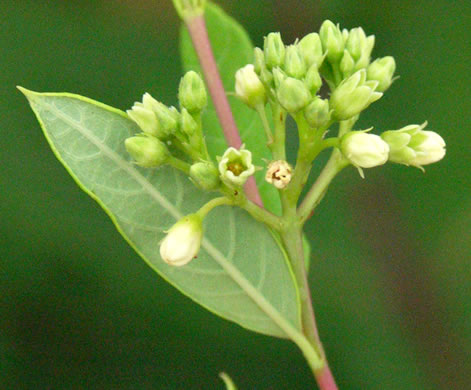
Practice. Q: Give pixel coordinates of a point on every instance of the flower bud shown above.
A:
(311, 50)
(192, 93)
(347, 64)
(313, 79)
(144, 118)
(356, 42)
(294, 62)
(353, 95)
(332, 41)
(235, 167)
(364, 150)
(293, 95)
(249, 88)
(317, 113)
(188, 123)
(279, 174)
(147, 151)
(168, 120)
(183, 240)
(278, 77)
(274, 50)
(411, 145)
(382, 71)
(205, 175)
(259, 60)
(365, 56)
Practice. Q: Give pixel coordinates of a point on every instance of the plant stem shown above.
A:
(292, 241)
(335, 164)
(279, 121)
(205, 209)
(199, 35)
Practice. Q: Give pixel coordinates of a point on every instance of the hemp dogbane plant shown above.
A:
(190, 193)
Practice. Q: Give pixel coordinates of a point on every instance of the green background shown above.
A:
(390, 271)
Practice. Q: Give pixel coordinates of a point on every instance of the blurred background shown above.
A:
(390, 269)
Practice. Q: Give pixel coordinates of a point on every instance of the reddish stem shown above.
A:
(325, 379)
(199, 36)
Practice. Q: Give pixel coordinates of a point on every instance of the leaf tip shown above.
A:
(29, 94)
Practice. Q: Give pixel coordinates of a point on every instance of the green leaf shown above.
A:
(232, 49)
(240, 274)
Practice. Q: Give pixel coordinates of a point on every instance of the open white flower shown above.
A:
(235, 166)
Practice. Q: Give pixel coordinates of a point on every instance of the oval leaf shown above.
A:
(240, 273)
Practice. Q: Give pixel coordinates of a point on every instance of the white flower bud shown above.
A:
(249, 88)
(279, 174)
(235, 166)
(144, 115)
(183, 241)
(364, 150)
(429, 149)
(411, 145)
(144, 118)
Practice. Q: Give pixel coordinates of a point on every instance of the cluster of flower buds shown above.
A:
(291, 75)
(410, 145)
(168, 132)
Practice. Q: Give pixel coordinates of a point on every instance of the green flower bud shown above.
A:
(249, 88)
(347, 64)
(294, 62)
(188, 123)
(192, 93)
(411, 145)
(345, 34)
(168, 120)
(278, 77)
(365, 56)
(313, 79)
(293, 95)
(274, 50)
(364, 150)
(144, 118)
(382, 71)
(356, 42)
(259, 60)
(235, 167)
(311, 50)
(147, 151)
(205, 176)
(332, 41)
(183, 241)
(317, 113)
(353, 95)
